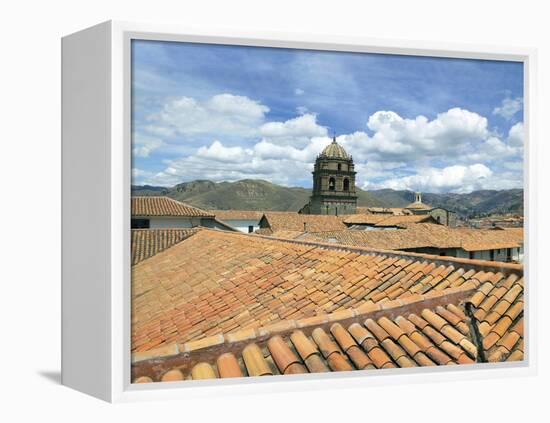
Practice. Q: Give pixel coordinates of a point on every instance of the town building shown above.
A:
(247, 221)
(440, 215)
(333, 183)
(266, 306)
(151, 212)
(284, 225)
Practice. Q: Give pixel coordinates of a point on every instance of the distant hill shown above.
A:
(248, 194)
(254, 194)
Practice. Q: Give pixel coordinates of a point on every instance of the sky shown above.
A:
(226, 113)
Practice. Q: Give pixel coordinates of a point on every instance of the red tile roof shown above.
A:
(184, 294)
(423, 235)
(404, 220)
(148, 242)
(479, 321)
(298, 222)
(238, 214)
(383, 210)
(165, 206)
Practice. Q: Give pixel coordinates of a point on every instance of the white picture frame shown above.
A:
(96, 152)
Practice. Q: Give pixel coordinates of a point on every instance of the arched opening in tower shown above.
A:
(331, 184)
(346, 184)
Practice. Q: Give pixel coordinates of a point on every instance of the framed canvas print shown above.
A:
(270, 209)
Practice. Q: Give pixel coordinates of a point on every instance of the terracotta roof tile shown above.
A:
(303, 345)
(228, 366)
(203, 371)
(283, 356)
(164, 206)
(255, 362)
(172, 376)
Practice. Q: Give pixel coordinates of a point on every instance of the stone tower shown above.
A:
(333, 183)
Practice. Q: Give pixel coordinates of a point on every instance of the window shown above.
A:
(471, 255)
(492, 255)
(346, 184)
(250, 229)
(339, 166)
(140, 223)
(331, 184)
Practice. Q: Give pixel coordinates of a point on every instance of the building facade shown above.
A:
(153, 212)
(333, 183)
(440, 215)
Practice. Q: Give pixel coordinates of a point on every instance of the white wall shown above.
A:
(486, 254)
(242, 225)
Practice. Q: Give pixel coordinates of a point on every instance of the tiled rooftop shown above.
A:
(216, 282)
(165, 206)
(381, 220)
(478, 321)
(423, 235)
(148, 242)
(383, 210)
(299, 222)
(237, 214)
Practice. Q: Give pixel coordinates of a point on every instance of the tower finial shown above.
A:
(333, 136)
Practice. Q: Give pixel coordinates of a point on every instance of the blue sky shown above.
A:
(229, 113)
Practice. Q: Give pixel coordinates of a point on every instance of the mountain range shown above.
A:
(254, 194)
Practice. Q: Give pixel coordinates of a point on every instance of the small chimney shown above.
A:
(417, 197)
(305, 227)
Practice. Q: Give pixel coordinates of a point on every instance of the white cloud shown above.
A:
(396, 138)
(302, 110)
(218, 152)
(297, 131)
(509, 107)
(143, 146)
(140, 176)
(515, 135)
(299, 91)
(220, 114)
(455, 151)
(453, 178)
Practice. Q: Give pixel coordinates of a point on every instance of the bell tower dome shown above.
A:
(333, 182)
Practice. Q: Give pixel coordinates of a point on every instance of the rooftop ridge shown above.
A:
(393, 308)
(206, 213)
(502, 267)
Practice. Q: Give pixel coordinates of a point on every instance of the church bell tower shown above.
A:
(333, 183)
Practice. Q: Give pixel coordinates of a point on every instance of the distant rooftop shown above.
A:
(293, 221)
(165, 207)
(422, 235)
